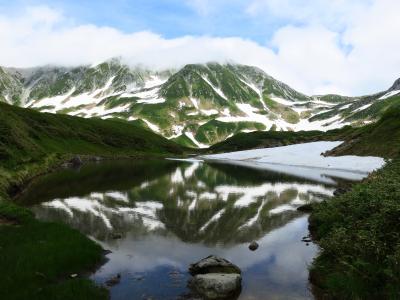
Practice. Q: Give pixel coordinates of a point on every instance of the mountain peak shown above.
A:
(395, 86)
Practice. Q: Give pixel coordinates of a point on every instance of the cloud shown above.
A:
(360, 56)
(328, 12)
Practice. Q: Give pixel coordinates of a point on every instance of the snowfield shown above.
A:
(303, 160)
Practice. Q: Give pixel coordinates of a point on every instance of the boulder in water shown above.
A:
(253, 246)
(213, 264)
(216, 285)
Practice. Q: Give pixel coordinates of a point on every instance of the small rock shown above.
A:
(76, 161)
(116, 236)
(216, 285)
(73, 275)
(114, 280)
(253, 246)
(213, 264)
(306, 239)
(340, 191)
(138, 278)
(305, 208)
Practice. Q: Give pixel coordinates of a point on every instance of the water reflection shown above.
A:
(172, 213)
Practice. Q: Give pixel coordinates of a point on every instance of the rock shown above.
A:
(114, 280)
(253, 246)
(306, 239)
(116, 236)
(73, 275)
(340, 191)
(76, 161)
(216, 285)
(305, 208)
(213, 264)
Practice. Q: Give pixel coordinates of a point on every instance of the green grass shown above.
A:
(27, 136)
(265, 139)
(379, 139)
(36, 257)
(359, 232)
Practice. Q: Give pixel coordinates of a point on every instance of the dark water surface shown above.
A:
(172, 213)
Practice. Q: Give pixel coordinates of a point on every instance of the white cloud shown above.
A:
(314, 57)
(328, 12)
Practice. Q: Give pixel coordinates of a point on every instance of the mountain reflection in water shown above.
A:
(171, 213)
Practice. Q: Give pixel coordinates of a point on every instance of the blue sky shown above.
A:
(316, 46)
(170, 18)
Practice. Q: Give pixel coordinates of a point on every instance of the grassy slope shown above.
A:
(27, 136)
(40, 256)
(381, 138)
(359, 232)
(258, 139)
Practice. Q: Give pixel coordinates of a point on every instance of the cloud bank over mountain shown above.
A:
(323, 47)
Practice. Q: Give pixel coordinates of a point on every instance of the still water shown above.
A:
(158, 216)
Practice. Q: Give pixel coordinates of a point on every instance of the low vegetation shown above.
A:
(37, 258)
(265, 139)
(359, 232)
(379, 139)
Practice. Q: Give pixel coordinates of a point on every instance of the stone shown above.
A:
(213, 264)
(116, 236)
(216, 285)
(253, 246)
(76, 161)
(305, 208)
(73, 275)
(340, 191)
(113, 280)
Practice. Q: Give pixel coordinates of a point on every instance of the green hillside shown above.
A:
(266, 139)
(27, 136)
(379, 139)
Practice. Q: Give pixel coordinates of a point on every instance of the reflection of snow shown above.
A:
(213, 219)
(145, 211)
(177, 176)
(281, 209)
(250, 195)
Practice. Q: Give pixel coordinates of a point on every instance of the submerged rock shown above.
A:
(216, 285)
(253, 246)
(213, 264)
(113, 280)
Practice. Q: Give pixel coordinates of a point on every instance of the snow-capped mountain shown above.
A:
(197, 105)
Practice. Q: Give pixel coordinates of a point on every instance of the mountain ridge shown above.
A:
(197, 105)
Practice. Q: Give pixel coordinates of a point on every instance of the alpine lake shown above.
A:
(158, 216)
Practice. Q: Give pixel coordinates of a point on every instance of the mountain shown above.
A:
(197, 106)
